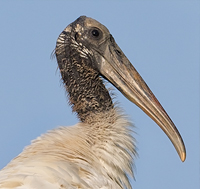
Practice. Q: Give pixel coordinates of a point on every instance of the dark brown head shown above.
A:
(85, 51)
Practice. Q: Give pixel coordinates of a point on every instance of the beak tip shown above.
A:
(183, 156)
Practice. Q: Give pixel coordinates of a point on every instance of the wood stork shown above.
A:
(97, 152)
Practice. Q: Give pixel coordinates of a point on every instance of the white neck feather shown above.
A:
(96, 154)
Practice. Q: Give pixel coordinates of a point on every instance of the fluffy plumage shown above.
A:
(96, 155)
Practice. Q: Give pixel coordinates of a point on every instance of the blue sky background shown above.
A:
(160, 38)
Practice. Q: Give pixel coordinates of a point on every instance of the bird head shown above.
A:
(94, 42)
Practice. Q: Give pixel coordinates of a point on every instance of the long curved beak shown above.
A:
(115, 67)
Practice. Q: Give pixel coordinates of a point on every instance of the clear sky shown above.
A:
(160, 38)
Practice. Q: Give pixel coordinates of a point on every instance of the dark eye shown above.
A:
(95, 33)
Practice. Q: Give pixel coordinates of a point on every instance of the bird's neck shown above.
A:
(87, 93)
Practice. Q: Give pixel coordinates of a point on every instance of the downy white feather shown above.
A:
(93, 155)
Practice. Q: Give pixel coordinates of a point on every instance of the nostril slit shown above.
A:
(118, 52)
(76, 36)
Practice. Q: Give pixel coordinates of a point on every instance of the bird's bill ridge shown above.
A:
(116, 68)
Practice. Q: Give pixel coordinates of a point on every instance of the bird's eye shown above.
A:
(95, 33)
